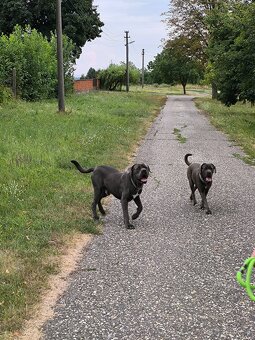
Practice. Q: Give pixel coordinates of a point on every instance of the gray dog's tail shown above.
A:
(186, 158)
(81, 169)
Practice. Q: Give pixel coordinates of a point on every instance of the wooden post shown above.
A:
(14, 82)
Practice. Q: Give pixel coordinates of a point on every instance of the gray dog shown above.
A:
(126, 186)
(200, 177)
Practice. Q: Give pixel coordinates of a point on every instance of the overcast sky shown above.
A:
(143, 20)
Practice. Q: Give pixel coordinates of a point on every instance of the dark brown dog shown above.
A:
(200, 177)
(126, 186)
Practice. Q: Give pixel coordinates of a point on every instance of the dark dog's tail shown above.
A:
(186, 158)
(81, 169)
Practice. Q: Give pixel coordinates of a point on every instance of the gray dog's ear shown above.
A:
(214, 167)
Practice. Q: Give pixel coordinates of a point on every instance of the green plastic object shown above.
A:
(247, 269)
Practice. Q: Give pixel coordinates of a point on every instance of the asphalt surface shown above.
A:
(173, 277)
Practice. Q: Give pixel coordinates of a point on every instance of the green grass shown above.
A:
(179, 136)
(164, 89)
(43, 197)
(237, 121)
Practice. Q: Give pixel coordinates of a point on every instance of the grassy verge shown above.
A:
(164, 89)
(237, 121)
(42, 197)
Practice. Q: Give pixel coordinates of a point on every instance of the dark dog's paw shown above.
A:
(134, 217)
(208, 212)
(130, 226)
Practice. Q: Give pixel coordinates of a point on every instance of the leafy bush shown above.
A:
(114, 77)
(35, 61)
(5, 94)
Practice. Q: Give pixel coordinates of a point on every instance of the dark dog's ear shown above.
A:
(147, 166)
(202, 166)
(132, 169)
(214, 167)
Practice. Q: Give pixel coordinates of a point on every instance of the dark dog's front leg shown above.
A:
(124, 204)
(138, 202)
(204, 204)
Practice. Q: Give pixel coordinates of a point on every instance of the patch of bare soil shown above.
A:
(57, 285)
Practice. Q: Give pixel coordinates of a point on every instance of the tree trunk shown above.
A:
(184, 88)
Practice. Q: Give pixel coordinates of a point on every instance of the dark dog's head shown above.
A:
(140, 173)
(207, 170)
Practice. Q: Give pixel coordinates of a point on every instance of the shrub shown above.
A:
(114, 77)
(34, 58)
(5, 94)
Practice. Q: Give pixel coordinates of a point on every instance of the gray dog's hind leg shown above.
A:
(96, 201)
(138, 202)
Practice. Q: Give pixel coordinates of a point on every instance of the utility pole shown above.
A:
(61, 89)
(127, 59)
(127, 62)
(142, 67)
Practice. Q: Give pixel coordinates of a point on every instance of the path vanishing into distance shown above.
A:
(173, 277)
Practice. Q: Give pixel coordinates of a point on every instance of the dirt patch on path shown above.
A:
(57, 285)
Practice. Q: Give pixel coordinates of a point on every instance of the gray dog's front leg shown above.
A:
(139, 207)
(124, 204)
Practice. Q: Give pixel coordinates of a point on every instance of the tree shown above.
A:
(176, 64)
(148, 76)
(81, 21)
(232, 50)
(187, 18)
(114, 77)
(91, 74)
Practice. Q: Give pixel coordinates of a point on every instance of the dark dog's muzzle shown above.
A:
(208, 177)
(144, 176)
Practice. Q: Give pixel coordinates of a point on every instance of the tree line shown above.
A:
(210, 41)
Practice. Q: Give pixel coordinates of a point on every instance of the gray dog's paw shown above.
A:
(208, 212)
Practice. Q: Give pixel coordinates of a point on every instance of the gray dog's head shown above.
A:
(140, 173)
(207, 170)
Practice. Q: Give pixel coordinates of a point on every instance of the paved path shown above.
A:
(174, 276)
